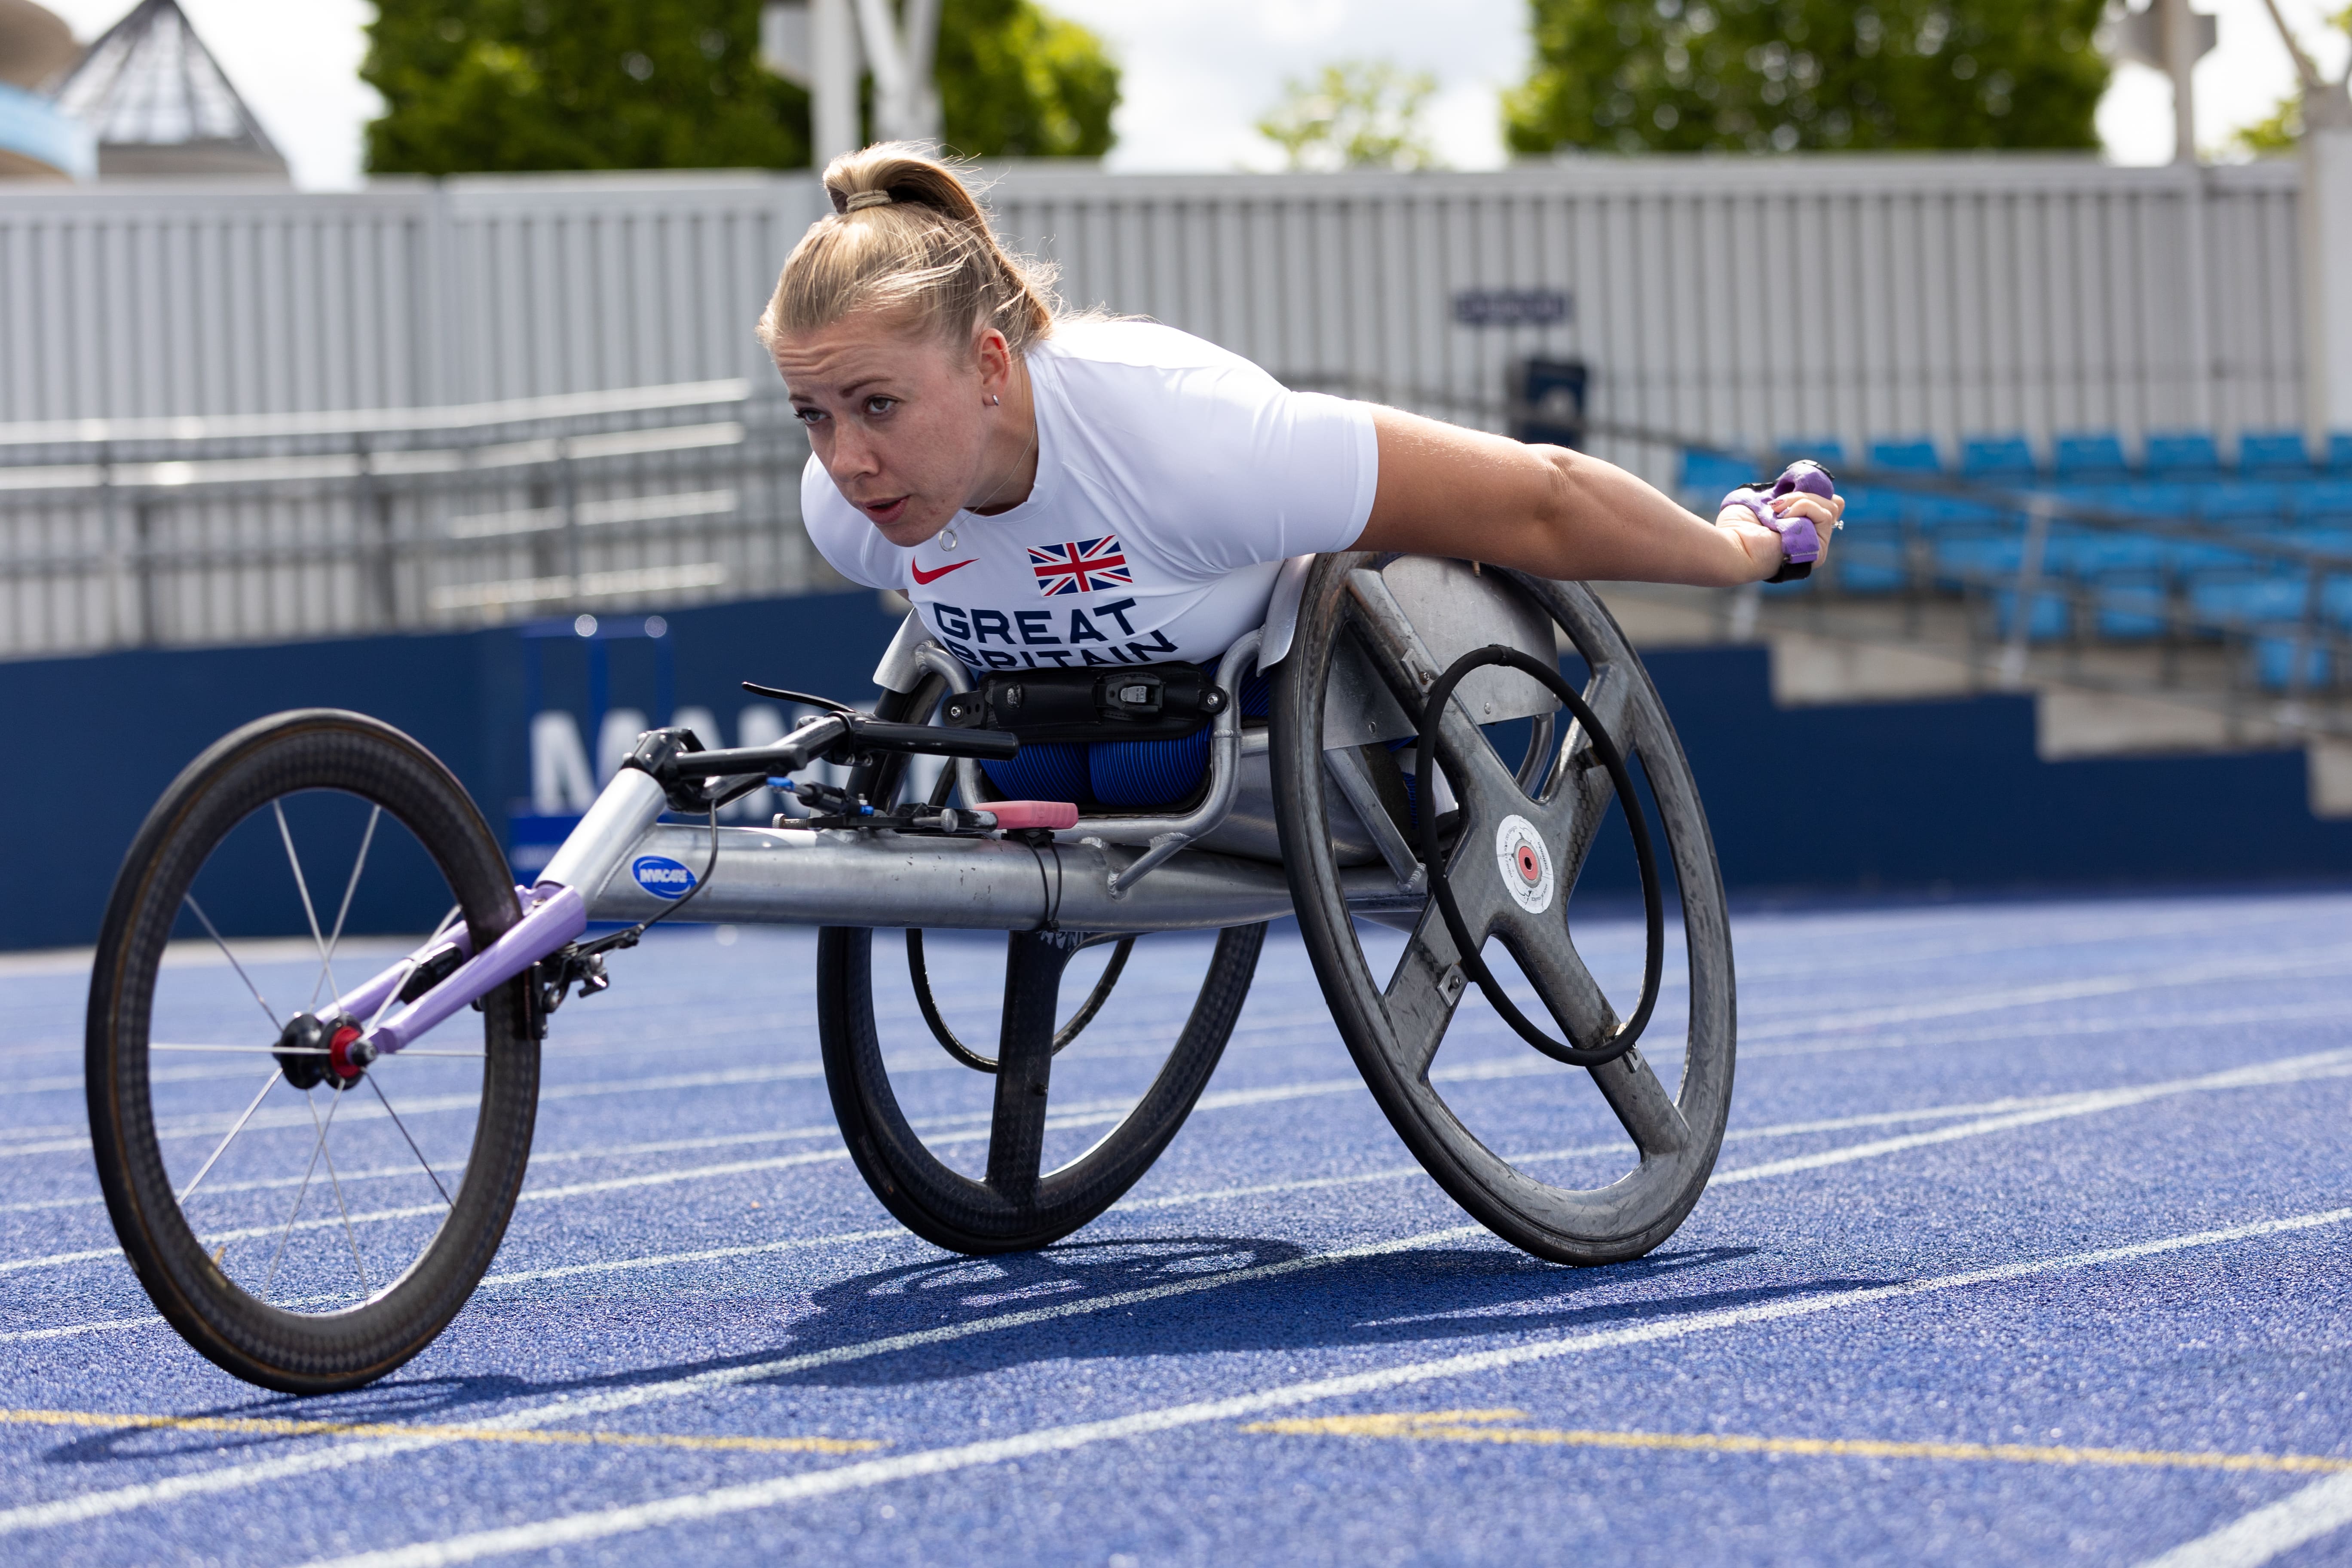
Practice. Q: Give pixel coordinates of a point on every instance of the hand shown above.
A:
(1799, 516)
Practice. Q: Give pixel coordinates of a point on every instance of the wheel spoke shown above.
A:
(1421, 994)
(209, 930)
(1580, 795)
(1428, 982)
(285, 835)
(334, 1182)
(1024, 1059)
(206, 1169)
(1547, 957)
(1648, 1114)
(413, 1149)
(269, 1283)
(342, 911)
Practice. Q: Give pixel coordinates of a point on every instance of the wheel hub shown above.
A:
(312, 1050)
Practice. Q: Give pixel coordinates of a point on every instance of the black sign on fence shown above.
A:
(1511, 307)
(1546, 397)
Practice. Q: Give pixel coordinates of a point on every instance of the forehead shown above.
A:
(858, 349)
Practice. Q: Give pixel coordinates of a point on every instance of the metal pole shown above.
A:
(2029, 585)
(2298, 676)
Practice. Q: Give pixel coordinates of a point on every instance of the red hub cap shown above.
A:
(339, 1053)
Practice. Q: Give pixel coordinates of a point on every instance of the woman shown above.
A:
(1063, 494)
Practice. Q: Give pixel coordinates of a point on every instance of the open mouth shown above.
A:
(886, 511)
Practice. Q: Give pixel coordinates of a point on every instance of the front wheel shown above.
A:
(306, 1230)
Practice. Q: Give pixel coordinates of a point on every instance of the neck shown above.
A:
(1009, 464)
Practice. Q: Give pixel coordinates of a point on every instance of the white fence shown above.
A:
(1739, 302)
(1735, 298)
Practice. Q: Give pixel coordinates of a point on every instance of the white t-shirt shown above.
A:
(1174, 479)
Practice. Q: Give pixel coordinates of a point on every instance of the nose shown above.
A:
(853, 456)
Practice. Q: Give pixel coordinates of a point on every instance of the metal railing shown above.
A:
(118, 533)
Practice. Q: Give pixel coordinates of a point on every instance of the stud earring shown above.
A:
(994, 401)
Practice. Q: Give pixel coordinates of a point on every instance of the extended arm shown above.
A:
(1444, 490)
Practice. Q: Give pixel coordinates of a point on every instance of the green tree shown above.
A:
(1017, 81)
(2282, 130)
(1780, 75)
(475, 84)
(1356, 114)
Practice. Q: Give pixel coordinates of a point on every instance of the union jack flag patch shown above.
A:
(1084, 566)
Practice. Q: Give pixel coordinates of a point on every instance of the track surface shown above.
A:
(2029, 1244)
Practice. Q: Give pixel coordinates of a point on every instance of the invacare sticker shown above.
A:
(662, 876)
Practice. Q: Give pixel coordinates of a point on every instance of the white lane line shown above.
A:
(2023, 1112)
(2053, 991)
(2294, 1069)
(2267, 1532)
(121, 1499)
(1263, 1189)
(604, 1523)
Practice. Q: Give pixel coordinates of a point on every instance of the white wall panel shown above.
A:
(1738, 301)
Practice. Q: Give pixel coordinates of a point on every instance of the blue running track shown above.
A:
(2029, 1244)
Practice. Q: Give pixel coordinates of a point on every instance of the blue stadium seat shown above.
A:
(2183, 455)
(2129, 609)
(2088, 456)
(2238, 501)
(1997, 458)
(2274, 662)
(2339, 452)
(2322, 502)
(2273, 454)
(1826, 450)
(1714, 473)
(1907, 457)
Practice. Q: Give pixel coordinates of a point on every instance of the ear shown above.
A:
(992, 356)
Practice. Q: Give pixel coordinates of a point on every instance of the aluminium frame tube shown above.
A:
(834, 877)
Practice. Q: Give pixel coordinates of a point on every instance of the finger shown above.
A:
(1797, 504)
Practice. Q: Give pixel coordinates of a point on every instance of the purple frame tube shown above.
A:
(557, 915)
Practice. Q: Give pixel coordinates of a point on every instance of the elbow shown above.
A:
(1565, 496)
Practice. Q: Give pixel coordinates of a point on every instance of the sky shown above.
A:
(1198, 73)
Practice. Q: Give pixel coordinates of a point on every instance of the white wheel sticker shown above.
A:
(1525, 861)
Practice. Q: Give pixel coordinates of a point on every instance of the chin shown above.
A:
(907, 533)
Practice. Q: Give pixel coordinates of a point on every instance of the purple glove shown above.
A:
(1801, 542)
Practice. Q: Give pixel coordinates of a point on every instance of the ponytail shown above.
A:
(907, 239)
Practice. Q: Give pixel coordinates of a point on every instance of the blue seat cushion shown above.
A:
(2182, 452)
(2090, 455)
(2274, 453)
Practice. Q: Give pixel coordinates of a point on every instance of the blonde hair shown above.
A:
(906, 237)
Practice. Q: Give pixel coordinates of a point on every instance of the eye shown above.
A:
(879, 405)
(807, 415)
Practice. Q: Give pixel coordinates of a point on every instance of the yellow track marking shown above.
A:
(252, 1426)
(1478, 1426)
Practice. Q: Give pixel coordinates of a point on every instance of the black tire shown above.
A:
(260, 769)
(1019, 1207)
(1030, 1208)
(1394, 1029)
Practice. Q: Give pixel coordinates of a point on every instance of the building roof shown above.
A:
(161, 105)
(35, 44)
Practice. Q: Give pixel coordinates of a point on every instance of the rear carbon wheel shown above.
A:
(1538, 817)
(306, 1230)
(1016, 1205)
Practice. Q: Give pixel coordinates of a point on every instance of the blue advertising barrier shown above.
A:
(1889, 796)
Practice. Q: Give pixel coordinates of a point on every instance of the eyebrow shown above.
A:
(849, 389)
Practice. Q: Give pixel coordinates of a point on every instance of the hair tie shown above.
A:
(866, 199)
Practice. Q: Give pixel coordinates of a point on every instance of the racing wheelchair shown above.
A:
(1346, 770)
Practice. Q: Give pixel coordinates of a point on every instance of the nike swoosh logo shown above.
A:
(927, 577)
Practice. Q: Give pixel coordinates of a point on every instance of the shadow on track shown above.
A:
(1415, 1298)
